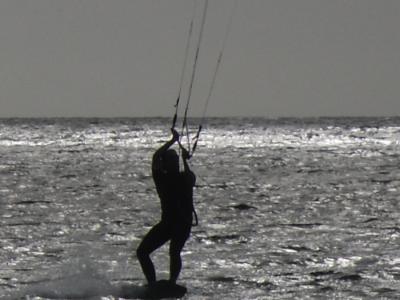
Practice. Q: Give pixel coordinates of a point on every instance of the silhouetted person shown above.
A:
(175, 190)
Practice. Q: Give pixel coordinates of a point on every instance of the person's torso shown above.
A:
(176, 195)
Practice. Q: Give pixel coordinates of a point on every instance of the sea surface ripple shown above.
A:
(288, 208)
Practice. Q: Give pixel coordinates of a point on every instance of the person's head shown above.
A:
(171, 161)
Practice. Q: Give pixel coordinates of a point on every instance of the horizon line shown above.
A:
(199, 117)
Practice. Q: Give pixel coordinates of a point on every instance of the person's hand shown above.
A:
(175, 135)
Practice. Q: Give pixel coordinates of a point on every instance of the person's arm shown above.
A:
(157, 161)
(185, 157)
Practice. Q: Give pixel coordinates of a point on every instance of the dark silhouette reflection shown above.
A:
(175, 190)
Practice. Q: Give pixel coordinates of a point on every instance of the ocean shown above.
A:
(288, 208)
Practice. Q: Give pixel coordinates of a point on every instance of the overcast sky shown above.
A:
(110, 58)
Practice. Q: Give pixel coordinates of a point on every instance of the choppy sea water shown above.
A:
(288, 208)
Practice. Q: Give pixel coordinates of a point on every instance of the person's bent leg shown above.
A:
(155, 238)
(178, 241)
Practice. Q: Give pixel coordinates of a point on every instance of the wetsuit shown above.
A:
(175, 190)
